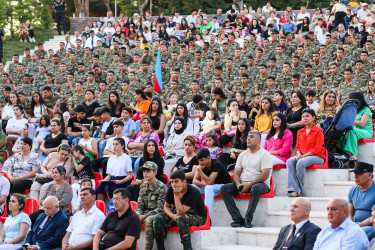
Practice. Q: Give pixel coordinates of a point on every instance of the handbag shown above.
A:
(44, 180)
(231, 133)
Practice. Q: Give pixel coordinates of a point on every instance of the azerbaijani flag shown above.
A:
(158, 82)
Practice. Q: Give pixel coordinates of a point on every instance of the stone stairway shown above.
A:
(53, 43)
(270, 216)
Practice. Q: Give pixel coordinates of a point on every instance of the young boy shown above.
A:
(280, 105)
(96, 124)
(107, 128)
(129, 124)
(310, 98)
(74, 130)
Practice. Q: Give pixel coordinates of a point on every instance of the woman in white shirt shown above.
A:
(38, 108)
(109, 29)
(8, 108)
(119, 171)
(14, 127)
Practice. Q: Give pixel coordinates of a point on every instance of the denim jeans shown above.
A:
(209, 191)
(136, 164)
(297, 171)
(102, 145)
(227, 190)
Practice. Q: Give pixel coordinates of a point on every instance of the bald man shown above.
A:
(302, 233)
(49, 228)
(343, 233)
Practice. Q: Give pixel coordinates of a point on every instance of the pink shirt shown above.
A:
(280, 145)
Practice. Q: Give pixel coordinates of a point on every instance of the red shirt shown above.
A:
(312, 142)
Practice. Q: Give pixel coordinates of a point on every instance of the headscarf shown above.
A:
(181, 130)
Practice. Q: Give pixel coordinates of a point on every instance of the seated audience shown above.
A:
(49, 228)
(158, 120)
(174, 146)
(58, 188)
(14, 127)
(188, 163)
(278, 102)
(279, 140)
(370, 97)
(88, 143)
(184, 206)
(309, 150)
(74, 130)
(54, 140)
(4, 191)
(26, 132)
(263, 120)
(327, 108)
(350, 234)
(115, 104)
(362, 126)
(151, 199)
(305, 231)
(22, 167)
(252, 175)
(59, 158)
(84, 224)
(122, 228)
(182, 111)
(16, 226)
(210, 176)
(119, 171)
(141, 105)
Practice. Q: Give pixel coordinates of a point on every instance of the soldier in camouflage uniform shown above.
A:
(334, 79)
(81, 74)
(17, 77)
(78, 97)
(33, 66)
(115, 65)
(348, 86)
(285, 79)
(26, 60)
(294, 87)
(50, 98)
(90, 83)
(360, 75)
(174, 89)
(61, 51)
(318, 66)
(270, 89)
(195, 216)
(151, 199)
(112, 83)
(145, 74)
(27, 87)
(102, 94)
(61, 78)
(72, 64)
(100, 75)
(40, 52)
(12, 68)
(296, 67)
(126, 95)
(319, 88)
(308, 79)
(78, 50)
(194, 90)
(87, 59)
(54, 68)
(136, 65)
(67, 89)
(99, 50)
(5, 84)
(107, 58)
(261, 79)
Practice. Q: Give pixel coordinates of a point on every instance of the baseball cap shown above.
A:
(363, 167)
(364, 4)
(149, 165)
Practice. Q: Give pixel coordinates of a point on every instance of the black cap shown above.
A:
(363, 167)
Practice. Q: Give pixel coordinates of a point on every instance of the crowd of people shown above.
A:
(240, 94)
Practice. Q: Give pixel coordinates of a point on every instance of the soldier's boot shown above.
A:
(187, 244)
(160, 244)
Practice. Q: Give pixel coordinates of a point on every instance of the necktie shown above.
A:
(66, 45)
(290, 238)
(40, 228)
(92, 43)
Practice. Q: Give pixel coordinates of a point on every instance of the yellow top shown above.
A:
(263, 122)
(352, 3)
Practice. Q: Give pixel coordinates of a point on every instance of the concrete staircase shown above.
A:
(270, 216)
(53, 43)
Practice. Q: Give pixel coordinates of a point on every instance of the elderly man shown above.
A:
(85, 223)
(362, 13)
(121, 228)
(302, 233)
(362, 196)
(343, 233)
(251, 175)
(49, 228)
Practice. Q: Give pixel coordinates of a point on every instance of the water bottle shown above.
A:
(74, 15)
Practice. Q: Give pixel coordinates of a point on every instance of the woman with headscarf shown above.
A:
(174, 146)
(341, 32)
(362, 126)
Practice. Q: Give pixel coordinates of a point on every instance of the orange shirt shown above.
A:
(313, 142)
(143, 107)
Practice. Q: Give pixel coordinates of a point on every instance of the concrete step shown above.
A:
(259, 236)
(339, 188)
(282, 218)
(235, 247)
(283, 203)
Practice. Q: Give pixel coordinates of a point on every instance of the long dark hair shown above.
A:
(61, 120)
(220, 92)
(145, 153)
(160, 108)
(282, 127)
(33, 103)
(185, 115)
(359, 96)
(118, 101)
(203, 107)
(239, 135)
(301, 96)
(142, 93)
(271, 109)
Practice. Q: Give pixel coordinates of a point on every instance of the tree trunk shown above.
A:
(86, 9)
(78, 5)
(107, 4)
(143, 7)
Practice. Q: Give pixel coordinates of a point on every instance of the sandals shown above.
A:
(353, 158)
(295, 194)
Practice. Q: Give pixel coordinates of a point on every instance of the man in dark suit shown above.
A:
(302, 233)
(49, 228)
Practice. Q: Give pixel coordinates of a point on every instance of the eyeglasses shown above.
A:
(117, 199)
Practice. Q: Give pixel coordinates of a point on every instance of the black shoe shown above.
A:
(160, 244)
(239, 223)
(248, 224)
(187, 245)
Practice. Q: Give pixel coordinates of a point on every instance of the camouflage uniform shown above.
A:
(94, 86)
(151, 202)
(289, 90)
(2, 89)
(270, 93)
(99, 53)
(54, 70)
(33, 68)
(307, 82)
(61, 79)
(26, 61)
(144, 77)
(80, 76)
(115, 68)
(296, 70)
(72, 67)
(88, 61)
(106, 60)
(77, 99)
(362, 79)
(260, 83)
(114, 86)
(79, 53)
(189, 96)
(333, 82)
(18, 78)
(41, 54)
(102, 99)
(61, 54)
(12, 68)
(319, 92)
(345, 90)
(285, 82)
(50, 102)
(65, 91)
(126, 59)
(102, 77)
(27, 89)
(126, 98)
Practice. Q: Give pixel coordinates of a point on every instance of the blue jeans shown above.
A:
(209, 191)
(102, 145)
(136, 164)
(74, 140)
(297, 171)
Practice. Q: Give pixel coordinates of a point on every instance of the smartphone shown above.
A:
(26, 245)
(240, 188)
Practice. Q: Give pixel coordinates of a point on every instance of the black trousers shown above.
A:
(98, 163)
(20, 186)
(1, 53)
(340, 18)
(224, 140)
(60, 17)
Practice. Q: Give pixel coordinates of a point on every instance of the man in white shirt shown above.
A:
(192, 18)
(252, 175)
(322, 34)
(85, 223)
(91, 42)
(233, 8)
(108, 18)
(177, 18)
(75, 38)
(68, 44)
(147, 34)
(302, 233)
(362, 13)
(302, 15)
